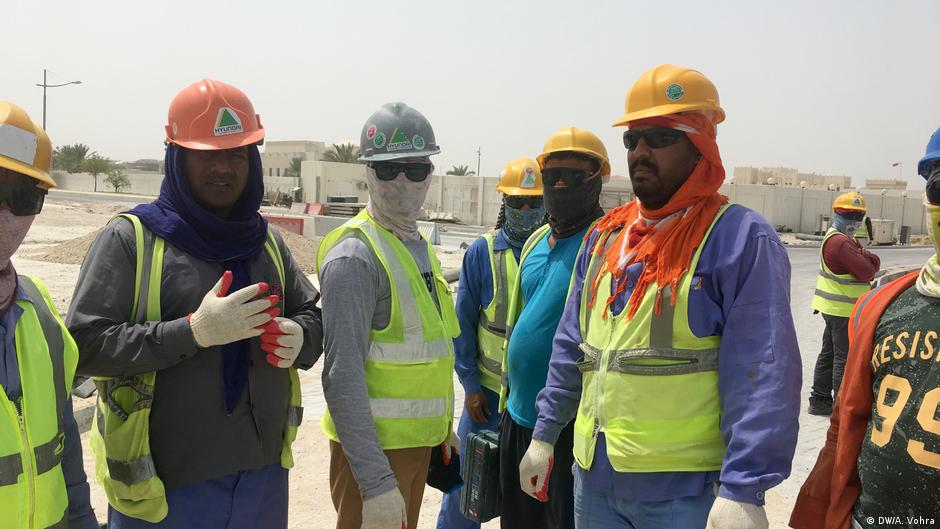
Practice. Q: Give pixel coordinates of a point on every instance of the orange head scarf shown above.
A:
(665, 249)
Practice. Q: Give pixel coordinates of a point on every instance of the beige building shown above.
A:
(886, 183)
(277, 155)
(789, 177)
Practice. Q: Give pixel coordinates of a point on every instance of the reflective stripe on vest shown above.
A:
(31, 479)
(410, 362)
(120, 437)
(649, 383)
(491, 331)
(836, 294)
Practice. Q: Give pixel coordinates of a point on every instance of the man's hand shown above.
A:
(222, 319)
(451, 445)
(385, 511)
(476, 406)
(282, 341)
(730, 514)
(536, 468)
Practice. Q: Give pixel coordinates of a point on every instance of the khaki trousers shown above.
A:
(410, 466)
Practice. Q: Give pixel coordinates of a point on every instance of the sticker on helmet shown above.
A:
(418, 142)
(856, 202)
(528, 178)
(379, 140)
(675, 92)
(370, 132)
(227, 122)
(399, 142)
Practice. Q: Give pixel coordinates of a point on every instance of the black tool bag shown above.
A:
(480, 498)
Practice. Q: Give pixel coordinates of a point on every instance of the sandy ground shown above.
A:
(52, 239)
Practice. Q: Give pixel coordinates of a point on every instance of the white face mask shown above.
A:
(13, 230)
(396, 204)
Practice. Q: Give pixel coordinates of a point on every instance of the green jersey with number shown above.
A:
(899, 463)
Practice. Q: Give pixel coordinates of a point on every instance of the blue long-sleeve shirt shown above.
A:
(741, 291)
(81, 515)
(474, 292)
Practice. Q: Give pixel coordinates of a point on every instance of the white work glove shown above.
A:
(282, 340)
(535, 469)
(730, 514)
(451, 445)
(385, 511)
(222, 319)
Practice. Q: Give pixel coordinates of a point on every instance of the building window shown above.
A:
(279, 171)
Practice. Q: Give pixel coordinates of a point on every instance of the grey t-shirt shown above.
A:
(357, 298)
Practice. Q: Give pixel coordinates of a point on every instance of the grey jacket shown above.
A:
(191, 437)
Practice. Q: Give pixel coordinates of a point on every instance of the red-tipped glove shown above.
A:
(535, 469)
(451, 445)
(282, 340)
(222, 319)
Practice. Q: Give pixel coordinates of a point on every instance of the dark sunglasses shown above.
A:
(387, 171)
(22, 199)
(655, 138)
(571, 177)
(519, 202)
(854, 215)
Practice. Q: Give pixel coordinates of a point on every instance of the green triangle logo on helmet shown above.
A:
(227, 122)
(399, 142)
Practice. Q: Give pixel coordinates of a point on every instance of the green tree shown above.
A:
(70, 157)
(117, 178)
(342, 153)
(96, 165)
(461, 170)
(294, 169)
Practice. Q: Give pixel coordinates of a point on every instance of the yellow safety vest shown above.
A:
(491, 332)
(32, 430)
(120, 433)
(409, 363)
(836, 294)
(649, 383)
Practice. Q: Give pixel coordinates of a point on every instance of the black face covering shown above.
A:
(571, 209)
(933, 185)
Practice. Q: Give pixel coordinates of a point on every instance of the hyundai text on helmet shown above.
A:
(396, 131)
(211, 115)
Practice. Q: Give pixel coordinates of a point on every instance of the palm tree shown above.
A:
(461, 170)
(69, 158)
(294, 169)
(342, 153)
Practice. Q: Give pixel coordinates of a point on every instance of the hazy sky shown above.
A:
(845, 87)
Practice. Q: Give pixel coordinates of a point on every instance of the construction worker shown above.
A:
(574, 167)
(42, 478)
(676, 354)
(195, 417)
(846, 269)
(880, 465)
(388, 323)
(487, 276)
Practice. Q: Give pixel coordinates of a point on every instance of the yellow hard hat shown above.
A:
(573, 139)
(669, 89)
(24, 146)
(520, 177)
(851, 201)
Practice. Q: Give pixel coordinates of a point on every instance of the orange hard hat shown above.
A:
(210, 116)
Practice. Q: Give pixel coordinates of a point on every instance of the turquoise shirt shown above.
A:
(546, 274)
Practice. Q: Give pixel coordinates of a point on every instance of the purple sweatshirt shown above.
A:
(741, 292)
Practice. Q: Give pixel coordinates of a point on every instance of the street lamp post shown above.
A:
(45, 85)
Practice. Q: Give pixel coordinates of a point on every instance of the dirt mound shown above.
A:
(73, 251)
